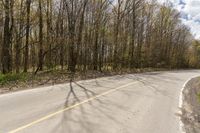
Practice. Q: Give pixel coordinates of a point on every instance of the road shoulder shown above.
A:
(191, 106)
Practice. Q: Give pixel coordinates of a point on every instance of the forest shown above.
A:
(93, 35)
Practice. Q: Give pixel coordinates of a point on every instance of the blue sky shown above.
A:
(190, 14)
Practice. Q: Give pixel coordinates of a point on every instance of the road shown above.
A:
(133, 103)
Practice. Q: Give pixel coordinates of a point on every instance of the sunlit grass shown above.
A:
(7, 78)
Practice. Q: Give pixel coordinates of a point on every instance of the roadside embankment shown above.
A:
(191, 106)
(16, 82)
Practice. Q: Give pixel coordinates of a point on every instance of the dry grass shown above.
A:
(15, 82)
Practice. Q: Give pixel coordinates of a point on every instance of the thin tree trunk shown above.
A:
(26, 53)
(6, 57)
(40, 65)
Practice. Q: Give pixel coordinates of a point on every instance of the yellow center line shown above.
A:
(70, 107)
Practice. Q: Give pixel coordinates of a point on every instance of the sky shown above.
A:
(190, 14)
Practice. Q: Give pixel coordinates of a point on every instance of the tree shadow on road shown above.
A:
(81, 116)
(79, 119)
(154, 82)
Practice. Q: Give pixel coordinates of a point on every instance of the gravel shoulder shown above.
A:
(191, 106)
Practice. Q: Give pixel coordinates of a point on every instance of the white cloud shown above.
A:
(195, 27)
(190, 10)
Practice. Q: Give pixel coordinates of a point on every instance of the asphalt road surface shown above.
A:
(133, 103)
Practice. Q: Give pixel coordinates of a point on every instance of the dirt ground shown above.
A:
(48, 78)
(191, 106)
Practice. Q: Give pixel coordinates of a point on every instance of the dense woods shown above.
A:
(100, 35)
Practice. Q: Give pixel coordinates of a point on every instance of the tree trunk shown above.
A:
(6, 57)
(26, 53)
(40, 64)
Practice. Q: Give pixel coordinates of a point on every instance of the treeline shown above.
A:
(100, 35)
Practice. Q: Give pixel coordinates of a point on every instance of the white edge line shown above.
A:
(181, 99)
(47, 87)
(50, 86)
(44, 88)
